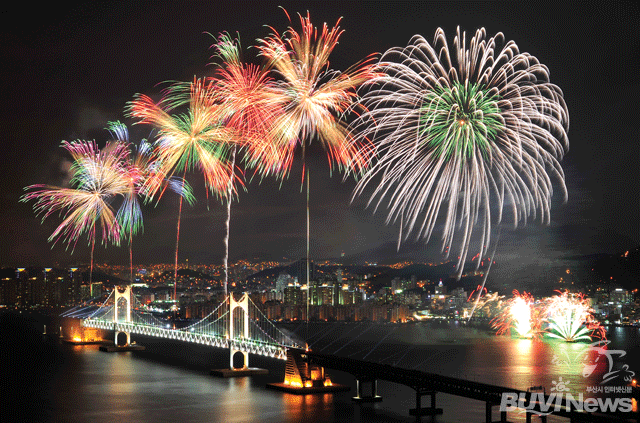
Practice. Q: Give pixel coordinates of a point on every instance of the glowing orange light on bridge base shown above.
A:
(302, 377)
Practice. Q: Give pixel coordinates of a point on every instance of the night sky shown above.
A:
(66, 72)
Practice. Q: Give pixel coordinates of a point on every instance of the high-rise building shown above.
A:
(47, 276)
(620, 296)
(301, 270)
(23, 291)
(414, 282)
(73, 281)
(85, 292)
(8, 291)
(339, 277)
(283, 281)
(293, 295)
(96, 289)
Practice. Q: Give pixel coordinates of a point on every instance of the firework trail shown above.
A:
(459, 131)
(139, 170)
(570, 317)
(227, 225)
(197, 138)
(489, 303)
(241, 88)
(97, 180)
(310, 101)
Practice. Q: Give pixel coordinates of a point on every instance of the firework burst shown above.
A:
(570, 317)
(140, 172)
(97, 180)
(460, 134)
(487, 304)
(196, 139)
(245, 94)
(310, 100)
(241, 89)
(520, 315)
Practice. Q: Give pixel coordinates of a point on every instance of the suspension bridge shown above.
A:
(237, 325)
(241, 327)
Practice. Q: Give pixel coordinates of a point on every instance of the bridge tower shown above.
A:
(126, 295)
(242, 331)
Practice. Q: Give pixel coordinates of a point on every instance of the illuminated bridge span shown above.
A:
(238, 325)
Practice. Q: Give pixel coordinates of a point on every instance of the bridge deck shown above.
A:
(237, 344)
(425, 381)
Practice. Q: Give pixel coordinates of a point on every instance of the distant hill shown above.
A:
(622, 269)
(188, 273)
(99, 276)
(388, 253)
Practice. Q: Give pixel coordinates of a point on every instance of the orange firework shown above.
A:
(197, 138)
(521, 315)
(310, 99)
(245, 94)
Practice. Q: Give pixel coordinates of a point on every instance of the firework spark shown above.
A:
(487, 304)
(140, 172)
(197, 138)
(520, 315)
(97, 180)
(461, 132)
(310, 100)
(570, 317)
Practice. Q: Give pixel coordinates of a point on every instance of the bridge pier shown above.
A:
(302, 377)
(126, 295)
(115, 340)
(373, 397)
(428, 411)
(232, 371)
(503, 414)
(245, 356)
(543, 419)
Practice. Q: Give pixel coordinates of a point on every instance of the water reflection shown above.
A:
(319, 406)
(96, 386)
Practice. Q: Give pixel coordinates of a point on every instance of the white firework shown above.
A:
(460, 134)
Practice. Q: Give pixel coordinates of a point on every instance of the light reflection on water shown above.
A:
(94, 386)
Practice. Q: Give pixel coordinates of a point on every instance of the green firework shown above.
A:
(461, 119)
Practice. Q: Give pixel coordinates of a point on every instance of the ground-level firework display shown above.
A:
(569, 317)
(566, 316)
(519, 315)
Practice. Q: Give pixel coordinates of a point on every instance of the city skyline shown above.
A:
(85, 64)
